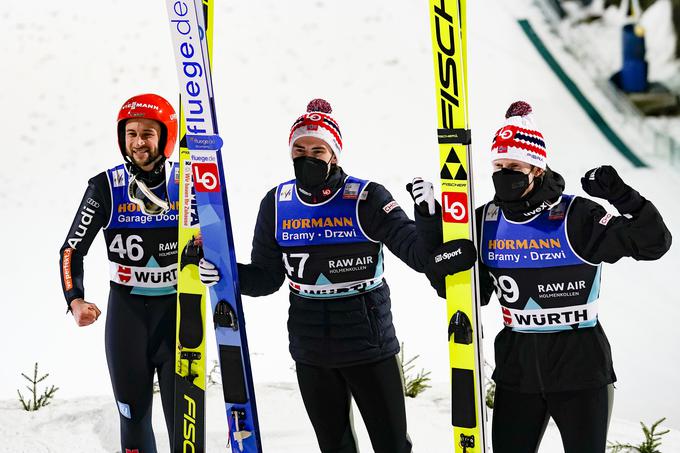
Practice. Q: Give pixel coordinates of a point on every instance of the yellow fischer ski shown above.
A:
(190, 358)
(447, 20)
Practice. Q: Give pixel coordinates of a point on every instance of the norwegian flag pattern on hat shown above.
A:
(518, 139)
(317, 122)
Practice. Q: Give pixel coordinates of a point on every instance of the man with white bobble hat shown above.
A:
(541, 252)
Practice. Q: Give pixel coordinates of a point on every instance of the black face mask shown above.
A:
(310, 172)
(510, 184)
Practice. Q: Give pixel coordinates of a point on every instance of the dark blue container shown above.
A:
(634, 76)
(633, 45)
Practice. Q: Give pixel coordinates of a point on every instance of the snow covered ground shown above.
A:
(68, 69)
(91, 425)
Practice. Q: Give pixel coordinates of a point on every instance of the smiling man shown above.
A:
(136, 205)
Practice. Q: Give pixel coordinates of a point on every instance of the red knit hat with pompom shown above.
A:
(518, 139)
(317, 122)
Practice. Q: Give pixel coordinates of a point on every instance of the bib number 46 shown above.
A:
(132, 248)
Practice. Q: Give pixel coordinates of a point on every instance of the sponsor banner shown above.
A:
(205, 171)
(351, 191)
(455, 207)
(286, 193)
(195, 90)
(66, 269)
(119, 177)
(335, 289)
(492, 213)
(188, 196)
(605, 220)
(143, 277)
(547, 318)
(204, 142)
(389, 207)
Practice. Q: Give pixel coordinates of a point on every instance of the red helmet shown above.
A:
(151, 107)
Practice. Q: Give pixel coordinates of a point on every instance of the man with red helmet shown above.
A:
(136, 205)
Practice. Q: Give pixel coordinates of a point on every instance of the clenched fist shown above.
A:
(84, 313)
(604, 182)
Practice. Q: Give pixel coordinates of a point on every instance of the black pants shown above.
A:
(520, 419)
(140, 340)
(378, 391)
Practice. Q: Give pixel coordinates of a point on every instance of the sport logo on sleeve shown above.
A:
(605, 220)
(389, 207)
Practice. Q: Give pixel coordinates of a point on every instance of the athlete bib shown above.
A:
(142, 249)
(540, 281)
(325, 251)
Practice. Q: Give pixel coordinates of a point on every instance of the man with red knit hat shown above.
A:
(136, 205)
(541, 251)
(325, 231)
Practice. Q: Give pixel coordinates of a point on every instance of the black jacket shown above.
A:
(92, 215)
(578, 359)
(349, 330)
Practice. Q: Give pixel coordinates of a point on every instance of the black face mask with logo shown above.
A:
(310, 173)
(510, 184)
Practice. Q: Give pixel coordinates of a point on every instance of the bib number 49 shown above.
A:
(506, 288)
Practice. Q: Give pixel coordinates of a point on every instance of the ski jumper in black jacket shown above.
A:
(565, 373)
(325, 232)
(541, 252)
(343, 344)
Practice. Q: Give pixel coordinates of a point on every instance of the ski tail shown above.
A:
(447, 20)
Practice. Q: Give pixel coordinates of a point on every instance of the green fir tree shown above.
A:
(37, 402)
(651, 443)
(413, 385)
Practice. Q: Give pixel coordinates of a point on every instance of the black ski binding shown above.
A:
(191, 254)
(190, 356)
(225, 315)
(467, 442)
(461, 328)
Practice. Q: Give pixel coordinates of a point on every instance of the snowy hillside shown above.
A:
(68, 69)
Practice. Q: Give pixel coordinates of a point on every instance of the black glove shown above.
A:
(449, 258)
(605, 182)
